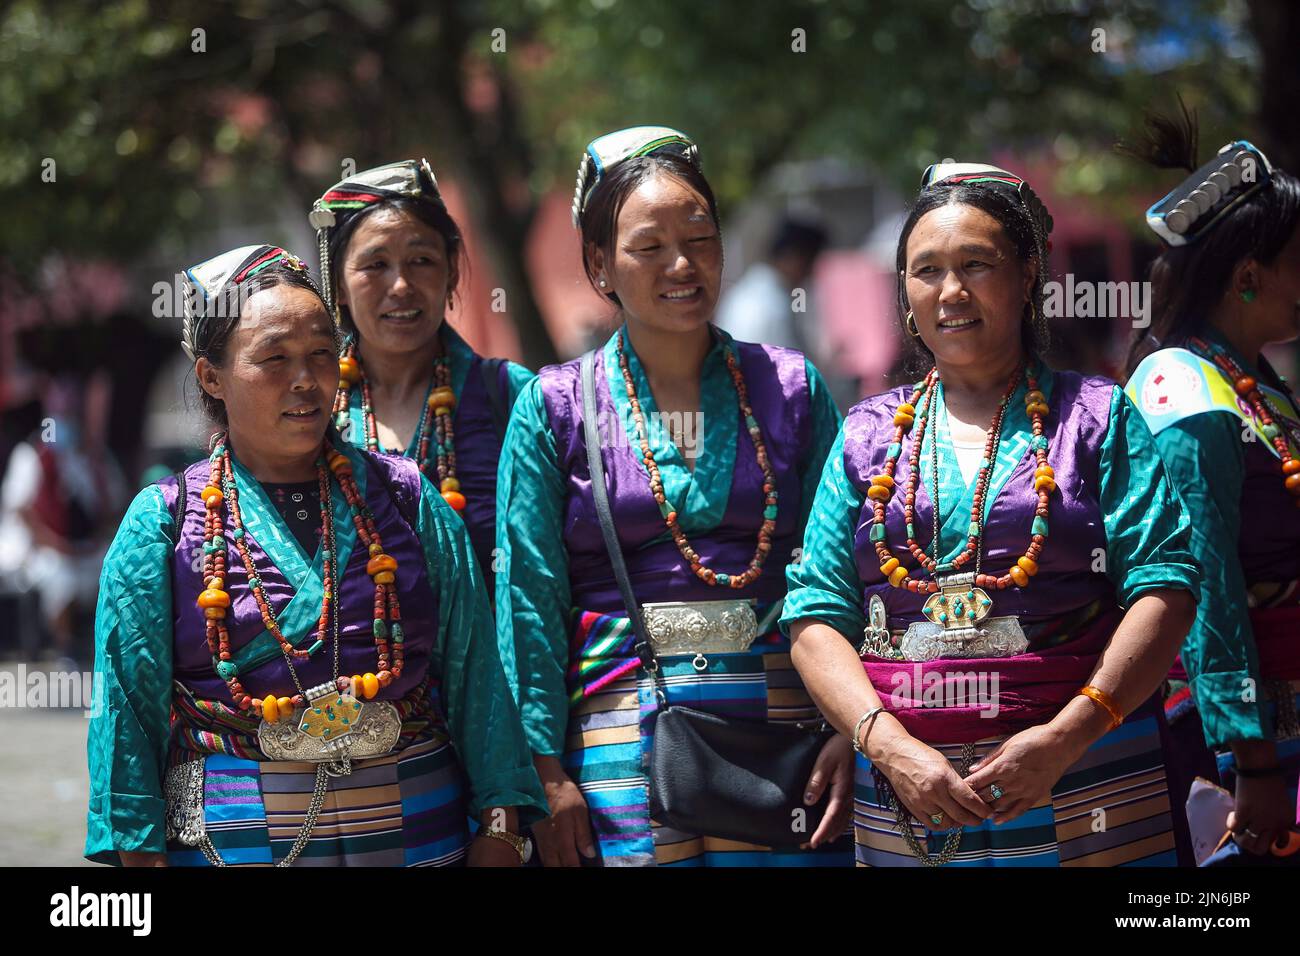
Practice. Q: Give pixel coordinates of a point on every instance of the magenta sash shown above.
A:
(963, 700)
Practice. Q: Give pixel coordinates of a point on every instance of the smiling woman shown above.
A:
(274, 686)
(704, 537)
(957, 529)
(391, 258)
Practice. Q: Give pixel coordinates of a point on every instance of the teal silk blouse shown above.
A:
(128, 735)
(825, 584)
(532, 588)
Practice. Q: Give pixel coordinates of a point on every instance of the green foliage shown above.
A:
(152, 138)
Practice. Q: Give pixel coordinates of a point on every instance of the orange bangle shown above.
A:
(1103, 698)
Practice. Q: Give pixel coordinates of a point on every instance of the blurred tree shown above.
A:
(149, 122)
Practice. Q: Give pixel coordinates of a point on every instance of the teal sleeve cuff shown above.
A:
(516, 787)
(1158, 577)
(124, 821)
(825, 606)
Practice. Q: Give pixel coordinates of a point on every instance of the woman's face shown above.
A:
(394, 280)
(965, 286)
(666, 261)
(279, 374)
(1276, 307)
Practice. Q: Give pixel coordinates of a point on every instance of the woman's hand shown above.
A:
(926, 782)
(1263, 808)
(834, 766)
(135, 858)
(1025, 767)
(489, 851)
(566, 833)
(1261, 804)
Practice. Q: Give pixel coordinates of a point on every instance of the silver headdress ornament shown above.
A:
(206, 282)
(1192, 208)
(984, 173)
(609, 150)
(407, 178)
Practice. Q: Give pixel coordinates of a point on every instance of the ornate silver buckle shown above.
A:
(678, 628)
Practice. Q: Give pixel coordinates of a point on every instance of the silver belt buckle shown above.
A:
(958, 625)
(678, 628)
(333, 728)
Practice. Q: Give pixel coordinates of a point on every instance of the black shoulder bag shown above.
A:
(720, 776)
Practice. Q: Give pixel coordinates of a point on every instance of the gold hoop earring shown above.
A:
(909, 322)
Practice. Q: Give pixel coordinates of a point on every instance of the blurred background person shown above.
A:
(61, 491)
(772, 301)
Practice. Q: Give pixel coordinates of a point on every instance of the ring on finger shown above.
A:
(937, 819)
(996, 791)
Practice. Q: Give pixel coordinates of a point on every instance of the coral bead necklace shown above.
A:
(1272, 422)
(221, 494)
(666, 509)
(919, 410)
(435, 439)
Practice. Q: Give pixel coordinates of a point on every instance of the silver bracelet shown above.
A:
(857, 728)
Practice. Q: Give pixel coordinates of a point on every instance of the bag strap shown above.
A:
(491, 369)
(178, 519)
(596, 465)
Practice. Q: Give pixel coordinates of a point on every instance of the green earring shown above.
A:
(1247, 295)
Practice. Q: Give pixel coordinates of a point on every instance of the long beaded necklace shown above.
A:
(1268, 415)
(435, 431)
(221, 491)
(882, 489)
(706, 574)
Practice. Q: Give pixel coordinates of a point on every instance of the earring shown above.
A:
(1247, 295)
(603, 283)
(909, 322)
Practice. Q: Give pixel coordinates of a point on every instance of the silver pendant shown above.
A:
(334, 728)
(877, 640)
(959, 624)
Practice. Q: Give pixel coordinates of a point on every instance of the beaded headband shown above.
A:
(410, 179)
(205, 282)
(1192, 208)
(977, 173)
(606, 152)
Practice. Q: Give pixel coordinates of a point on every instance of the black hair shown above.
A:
(215, 331)
(599, 220)
(432, 212)
(1003, 203)
(1188, 282)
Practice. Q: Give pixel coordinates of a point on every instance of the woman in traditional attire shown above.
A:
(391, 260)
(706, 516)
(1002, 542)
(1227, 426)
(312, 617)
